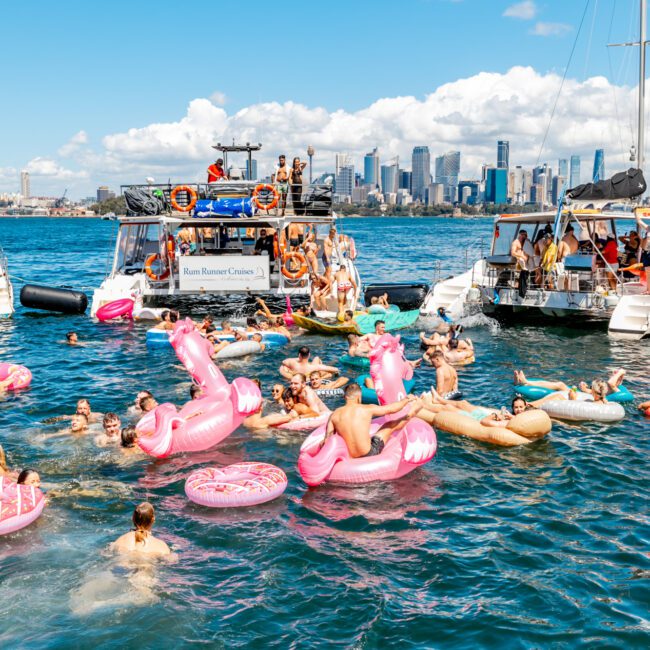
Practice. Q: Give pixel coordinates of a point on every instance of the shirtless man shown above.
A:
(281, 179)
(112, 427)
(168, 318)
(358, 347)
(570, 240)
(226, 328)
(83, 408)
(306, 395)
(446, 376)
(295, 235)
(371, 339)
(184, 238)
(71, 338)
(316, 381)
(352, 422)
(302, 365)
(344, 282)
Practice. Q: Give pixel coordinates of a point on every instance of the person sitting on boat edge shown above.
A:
(353, 421)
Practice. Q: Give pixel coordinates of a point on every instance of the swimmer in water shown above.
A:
(134, 410)
(72, 338)
(83, 408)
(128, 439)
(147, 404)
(196, 392)
(29, 477)
(111, 434)
(140, 539)
(295, 409)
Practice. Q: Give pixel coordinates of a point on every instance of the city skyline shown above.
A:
(83, 136)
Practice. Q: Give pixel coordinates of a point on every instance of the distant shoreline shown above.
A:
(50, 216)
(340, 216)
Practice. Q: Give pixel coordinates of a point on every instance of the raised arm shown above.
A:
(389, 409)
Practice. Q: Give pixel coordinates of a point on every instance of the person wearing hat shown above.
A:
(216, 172)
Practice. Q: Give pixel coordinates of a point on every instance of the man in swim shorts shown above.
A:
(446, 376)
(328, 248)
(352, 422)
(281, 180)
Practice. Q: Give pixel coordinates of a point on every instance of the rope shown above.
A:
(566, 70)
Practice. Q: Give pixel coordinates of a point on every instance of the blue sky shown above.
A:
(105, 68)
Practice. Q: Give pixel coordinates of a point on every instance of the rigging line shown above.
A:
(614, 78)
(566, 70)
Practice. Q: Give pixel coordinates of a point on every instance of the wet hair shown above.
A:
(351, 390)
(110, 417)
(143, 516)
(128, 436)
(145, 401)
(300, 376)
(24, 475)
(81, 415)
(195, 390)
(210, 328)
(349, 313)
(599, 387)
(69, 335)
(3, 460)
(257, 382)
(295, 160)
(164, 314)
(453, 344)
(257, 337)
(209, 318)
(288, 395)
(225, 324)
(303, 353)
(437, 355)
(173, 316)
(143, 394)
(352, 338)
(569, 228)
(516, 399)
(379, 322)
(251, 321)
(81, 401)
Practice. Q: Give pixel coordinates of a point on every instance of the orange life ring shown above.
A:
(294, 275)
(171, 249)
(147, 268)
(268, 188)
(193, 197)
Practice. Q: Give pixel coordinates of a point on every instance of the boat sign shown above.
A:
(224, 273)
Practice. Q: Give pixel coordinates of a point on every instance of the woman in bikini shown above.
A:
(344, 282)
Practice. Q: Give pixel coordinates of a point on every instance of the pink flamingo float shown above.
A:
(413, 445)
(204, 422)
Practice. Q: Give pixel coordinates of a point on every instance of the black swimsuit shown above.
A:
(376, 446)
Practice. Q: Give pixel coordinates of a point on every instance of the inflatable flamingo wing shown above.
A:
(388, 369)
(315, 463)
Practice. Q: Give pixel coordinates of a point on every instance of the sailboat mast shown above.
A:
(642, 37)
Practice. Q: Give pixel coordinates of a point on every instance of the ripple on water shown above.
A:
(532, 547)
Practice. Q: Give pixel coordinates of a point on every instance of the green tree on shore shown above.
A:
(117, 205)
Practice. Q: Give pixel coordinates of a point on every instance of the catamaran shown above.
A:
(583, 286)
(203, 239)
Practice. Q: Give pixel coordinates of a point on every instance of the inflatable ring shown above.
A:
(242, 484)
(584, 410)
(193, 198)
(355, 362)
(20, 505)
(369, 395)
(306, 424)
(147, 269)
(269, 188)
(22, 378)
(115, 309)
(302, 269)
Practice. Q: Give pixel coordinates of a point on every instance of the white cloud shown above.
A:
(73, 144)
(526, 10)
(468, 115)
(48, 167)
(218, 98)
(551, 29)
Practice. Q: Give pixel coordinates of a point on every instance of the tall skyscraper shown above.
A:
(574, 173)
(344, 181)
(342, 160)
(25, 189)
(599, 165)
(404, 180)
(421, 174)
(251, 176)
(371, 168)
(503, 154)
(496, 185)
(563, 167)
(389, 179)
(447, 170)
(103, 193)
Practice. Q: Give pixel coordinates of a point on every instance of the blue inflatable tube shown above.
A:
(224, 207)
(355, 362)
(157, 338)
(369, 395)
(532, 393)
(160, 338)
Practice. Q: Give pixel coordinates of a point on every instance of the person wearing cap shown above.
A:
(216, 172)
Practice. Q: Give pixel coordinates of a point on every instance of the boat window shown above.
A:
(506, 233)
(137, 242)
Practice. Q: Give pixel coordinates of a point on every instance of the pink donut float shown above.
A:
(306, 424)
(116, 309)
(242, 484)
(22, 378)
(20, 505)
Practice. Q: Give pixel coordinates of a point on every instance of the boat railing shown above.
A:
(472, 253)
(264, 198)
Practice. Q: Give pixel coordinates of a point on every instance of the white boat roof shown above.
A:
(259, 221)
(582, 214)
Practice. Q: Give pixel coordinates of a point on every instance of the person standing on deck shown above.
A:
(216, 172)
(281, 180)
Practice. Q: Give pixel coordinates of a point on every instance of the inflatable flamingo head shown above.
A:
(388, 369)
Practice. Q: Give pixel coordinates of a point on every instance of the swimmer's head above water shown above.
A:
(29, 477)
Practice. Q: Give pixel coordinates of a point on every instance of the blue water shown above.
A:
(540, 546)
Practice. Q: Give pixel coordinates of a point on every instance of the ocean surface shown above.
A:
(541, 546)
